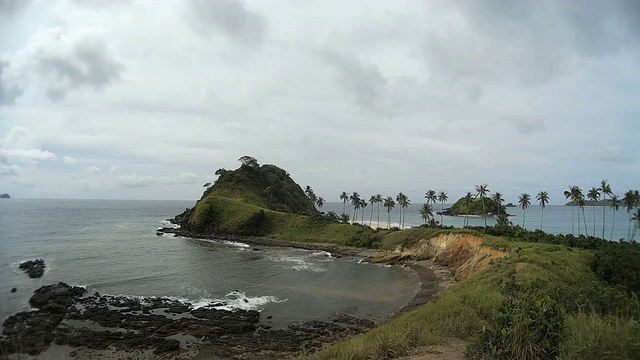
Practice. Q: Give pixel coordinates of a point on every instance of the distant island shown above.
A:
(605, 202)
(5, 196)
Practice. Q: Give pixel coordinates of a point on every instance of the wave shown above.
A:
(299, 263)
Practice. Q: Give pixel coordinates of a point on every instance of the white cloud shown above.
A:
(113, 170)
(94, 170)
(69, 160)
(135, 180)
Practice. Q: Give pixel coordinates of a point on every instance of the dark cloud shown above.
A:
(611, 152)
(364, 81)
(8, 93)
(65, 64)
(6, 168)
(229, 17)
(9, 8)
(525, 125)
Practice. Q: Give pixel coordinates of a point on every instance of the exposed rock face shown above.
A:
(462, 254)
(33, 268)
(67, 317)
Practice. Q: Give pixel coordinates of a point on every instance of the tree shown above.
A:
(467, 202)
(379, 201)
(482, 190)
(570, 194)
(442, 197)
(497, 199)
(389, 204)
(400, 199)
(312, 198)
(581, 203)
(629, 202)
(503, 219)
(320, 202)
(524, 200)
(615, 205)
(605, 189)
(404, 204)
(426, 212)
(344, 197)
(207, 185)
(249, 161)
(355, 201)
(635, 218)
(594, 195)
(221, 171)
(543, 199)
(431, 196)
(344, 218)
(372, 201)
(363, 204)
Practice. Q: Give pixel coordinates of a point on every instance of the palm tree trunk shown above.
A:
(371, 217)
(344, 207)
(378, 214)
(603, 212)
(484, 212)
(400, 220)
(613, 222)
(541, 218)
(441, 211)
(573, 219)
(594, 220)
(524, 216)
(586, 233)
(388, 219)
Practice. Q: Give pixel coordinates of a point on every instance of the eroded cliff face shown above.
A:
(462, 254)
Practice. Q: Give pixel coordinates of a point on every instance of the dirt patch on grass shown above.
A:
(453, 349)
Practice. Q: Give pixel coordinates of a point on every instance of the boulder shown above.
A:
(33, 268)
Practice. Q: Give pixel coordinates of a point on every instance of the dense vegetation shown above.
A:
(475, 207)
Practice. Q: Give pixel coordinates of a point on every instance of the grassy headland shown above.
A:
(541, 297)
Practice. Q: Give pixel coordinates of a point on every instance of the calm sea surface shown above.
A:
(557, 218)
(110, 246)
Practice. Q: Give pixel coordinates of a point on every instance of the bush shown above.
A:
(527, 326)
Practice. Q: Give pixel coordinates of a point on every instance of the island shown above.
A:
(5, 196)
(502, 291)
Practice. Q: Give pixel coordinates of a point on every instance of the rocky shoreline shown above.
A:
(69, 323)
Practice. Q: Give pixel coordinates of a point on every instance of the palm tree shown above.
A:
(363, 204)
(629, 202)
(426, 212)
(543, 198)
(581, 203)
(635, 218)
(524, 200)
(344, 197)
(467, 201)
(355, 201)
(594, 195)
(442, 197)
(615, 205)
(482, 190)
(372, 201)
(389, 204)
(320, 202)
(405, 204)
(379, 201)
(399, 199)
(431, 196)
(569, 194)
(605, 189)
(497, 198)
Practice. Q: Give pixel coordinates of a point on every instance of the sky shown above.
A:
(134, 99)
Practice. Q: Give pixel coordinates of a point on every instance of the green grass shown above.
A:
(462, 310)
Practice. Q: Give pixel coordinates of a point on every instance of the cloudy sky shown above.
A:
(146, 99)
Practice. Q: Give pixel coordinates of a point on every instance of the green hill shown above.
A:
(460, 207)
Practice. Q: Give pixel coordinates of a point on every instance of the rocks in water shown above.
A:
(66, 316)
(33, 268)
(13, 290)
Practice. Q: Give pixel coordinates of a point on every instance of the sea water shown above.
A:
(111, 247)
(554, 219)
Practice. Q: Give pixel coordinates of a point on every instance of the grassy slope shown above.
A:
(463, 309)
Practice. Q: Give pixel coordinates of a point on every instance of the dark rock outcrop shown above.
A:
(66, 316)
(33, 268)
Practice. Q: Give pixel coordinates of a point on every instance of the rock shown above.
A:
(33, 268)
(73, 354)
(13, 290)
(59, 294)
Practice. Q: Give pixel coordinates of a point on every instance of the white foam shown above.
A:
(299, 264)
(239, 300)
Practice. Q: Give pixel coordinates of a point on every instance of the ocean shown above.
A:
(557, 218)
(111, 247)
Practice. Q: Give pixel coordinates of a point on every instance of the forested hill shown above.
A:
(5, 196)
(266, 186)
